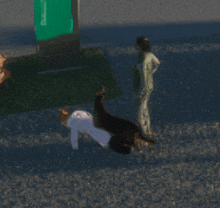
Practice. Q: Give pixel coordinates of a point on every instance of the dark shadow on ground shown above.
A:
(90, 156)
(55, 157)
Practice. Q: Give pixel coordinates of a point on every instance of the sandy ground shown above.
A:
(39, 167)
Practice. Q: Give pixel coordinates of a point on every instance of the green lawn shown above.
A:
(29, 91)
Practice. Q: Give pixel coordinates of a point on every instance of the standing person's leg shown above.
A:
(144, 116)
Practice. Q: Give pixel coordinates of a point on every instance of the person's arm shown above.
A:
(74, 138)
(156, 60)
(74, 133)
(156, 64)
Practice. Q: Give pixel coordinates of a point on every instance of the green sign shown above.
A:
(52, 18)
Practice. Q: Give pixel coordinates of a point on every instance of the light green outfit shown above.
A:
(143, 86)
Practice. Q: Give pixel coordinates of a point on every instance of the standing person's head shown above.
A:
(142, 44)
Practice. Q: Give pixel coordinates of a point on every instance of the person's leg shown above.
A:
(146, 119)
(143, 116)
(101, 136)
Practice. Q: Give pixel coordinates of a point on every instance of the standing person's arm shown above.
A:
(156, 64)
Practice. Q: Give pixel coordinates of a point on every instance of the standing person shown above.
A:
(142, 72)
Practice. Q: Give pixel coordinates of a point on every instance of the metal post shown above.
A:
(75, 14)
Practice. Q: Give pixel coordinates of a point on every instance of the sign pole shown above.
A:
(75, 14)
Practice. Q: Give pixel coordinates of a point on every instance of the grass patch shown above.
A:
(30, 91)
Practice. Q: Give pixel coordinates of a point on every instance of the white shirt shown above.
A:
(82, 121)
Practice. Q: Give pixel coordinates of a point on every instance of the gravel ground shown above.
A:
(39, 167)
(41, 170)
